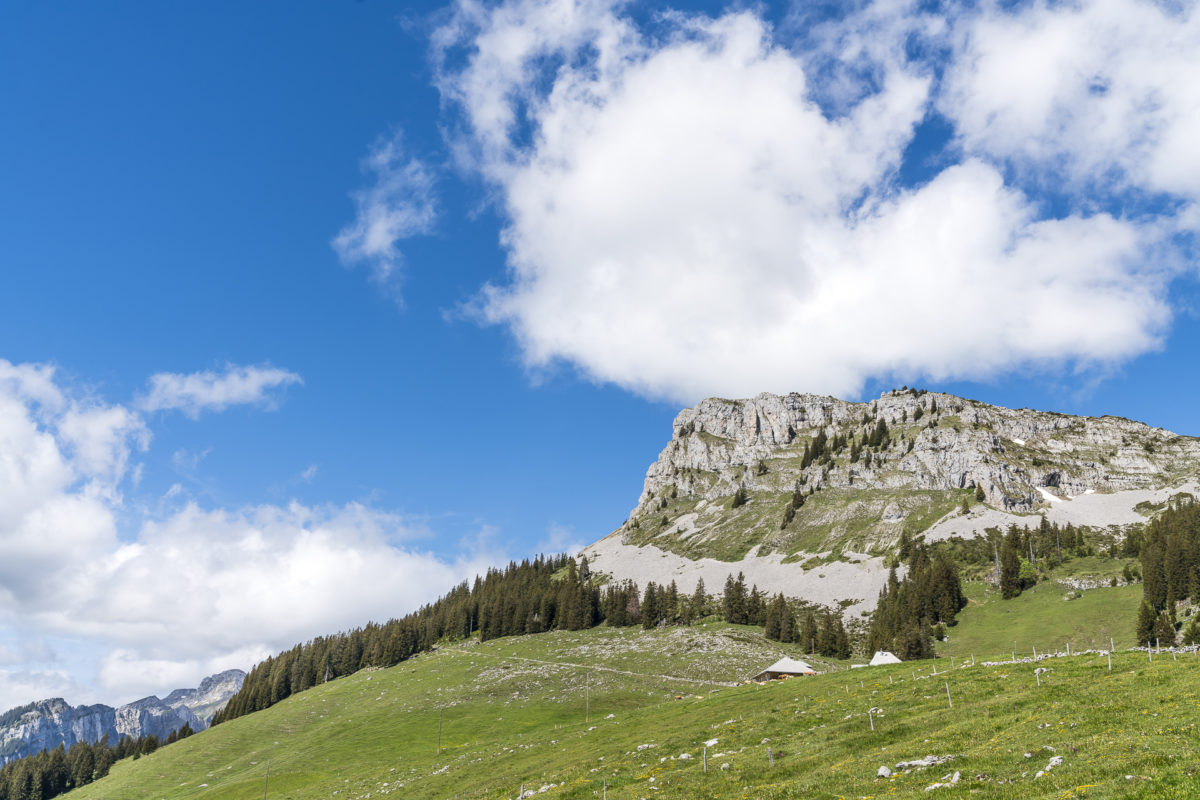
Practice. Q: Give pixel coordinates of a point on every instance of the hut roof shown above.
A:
(884, 657)
(786, 666)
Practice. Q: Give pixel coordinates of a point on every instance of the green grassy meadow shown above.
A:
(615, 710)
(1041, 617)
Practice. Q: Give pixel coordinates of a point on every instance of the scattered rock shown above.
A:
(883, 772)
(922, 763)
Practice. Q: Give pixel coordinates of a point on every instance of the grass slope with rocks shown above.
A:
(575, 714)
(1048, 616)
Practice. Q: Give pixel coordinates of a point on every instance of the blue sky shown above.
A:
(423, 287)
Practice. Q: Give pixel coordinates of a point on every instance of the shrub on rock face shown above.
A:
(739, 497)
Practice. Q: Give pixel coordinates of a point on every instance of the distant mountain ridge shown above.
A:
(809, 495)
(46, 724)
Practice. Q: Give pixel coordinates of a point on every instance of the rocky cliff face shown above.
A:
(209, 697)
(48, 723)
(936, 441)
(807, 480)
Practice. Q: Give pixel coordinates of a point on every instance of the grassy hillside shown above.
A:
(513, 712)
(1043, 617)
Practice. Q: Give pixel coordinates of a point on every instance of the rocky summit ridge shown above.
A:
(773, 481)
(46, 724)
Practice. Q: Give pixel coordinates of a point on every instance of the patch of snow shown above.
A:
(1021, 442)
(1048, 496)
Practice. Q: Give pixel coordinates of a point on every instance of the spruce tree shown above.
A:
(1164, 630)
(808, 633)
(699, 602)
(1191, 634)
(771, 627)
(1010, 572)
(1145, 625)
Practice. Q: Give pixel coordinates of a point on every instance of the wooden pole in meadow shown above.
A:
(948, 698)
(871, 716)
(439, 750)
(268, 780)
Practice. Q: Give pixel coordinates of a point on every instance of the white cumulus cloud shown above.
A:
(195, 392)
(685, 218)
(398, 205)
(1101, 91)
(138, 601)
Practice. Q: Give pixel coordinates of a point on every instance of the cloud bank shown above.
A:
(158, 599)
(702, 205)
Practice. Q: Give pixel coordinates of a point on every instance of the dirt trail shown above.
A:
(589, 667)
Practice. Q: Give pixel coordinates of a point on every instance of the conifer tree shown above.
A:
(734, 603)
(1010, 571)
(808, 633)
(771, 626)
(1145, 625)
(1191, 634)
(699, 602)
(1164, 630)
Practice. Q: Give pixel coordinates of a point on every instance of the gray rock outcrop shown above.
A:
(46, 724)
(955, 443)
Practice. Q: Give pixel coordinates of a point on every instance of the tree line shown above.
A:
(910, 611)
(1170, 556)
(543, 594)
(1018, 554)
(818, 631)
(53, 772)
